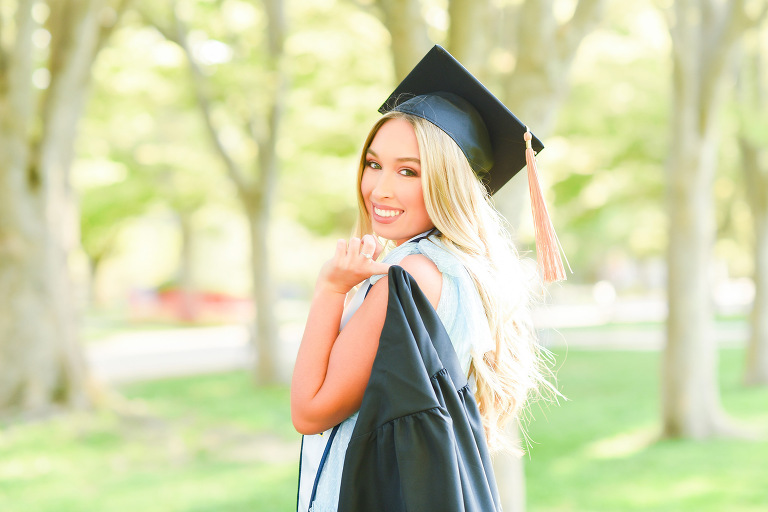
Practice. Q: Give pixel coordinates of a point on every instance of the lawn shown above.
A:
(203, 444)
(600, 450)
(214, 443)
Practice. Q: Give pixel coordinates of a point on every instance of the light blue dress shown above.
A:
(462, 314)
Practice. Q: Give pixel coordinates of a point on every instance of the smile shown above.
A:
(386, 213)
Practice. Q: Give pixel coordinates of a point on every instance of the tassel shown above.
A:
(547, 244)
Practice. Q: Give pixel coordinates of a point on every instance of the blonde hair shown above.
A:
(471, 228)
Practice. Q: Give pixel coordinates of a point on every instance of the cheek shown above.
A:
(366, 186)
(416, 200)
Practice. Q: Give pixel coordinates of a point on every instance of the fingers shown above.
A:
(353, 248)
(368, 247)
(341, 248)
(352, 263)
(372, 247)
(356, 250)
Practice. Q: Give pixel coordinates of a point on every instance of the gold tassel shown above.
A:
(547, 244)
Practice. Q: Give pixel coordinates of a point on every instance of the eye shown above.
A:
(409, 173)
(372, 164)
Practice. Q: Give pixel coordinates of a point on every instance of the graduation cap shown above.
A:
(496, 143)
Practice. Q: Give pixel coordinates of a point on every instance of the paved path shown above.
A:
(170, 352)
(633, 338)
(146, 355)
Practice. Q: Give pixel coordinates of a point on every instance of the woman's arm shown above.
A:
(332, 369)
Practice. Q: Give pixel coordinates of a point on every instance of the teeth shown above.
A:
(386, 213)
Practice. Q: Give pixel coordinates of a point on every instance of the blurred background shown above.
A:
(174, 173)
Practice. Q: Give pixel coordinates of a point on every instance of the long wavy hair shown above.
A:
(460, 207)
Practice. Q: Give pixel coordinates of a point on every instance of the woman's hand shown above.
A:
(352, 263)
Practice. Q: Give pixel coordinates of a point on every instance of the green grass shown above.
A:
(600, 450)
(214, 443)
(201, 444)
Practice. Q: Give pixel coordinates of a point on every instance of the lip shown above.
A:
(384, 220)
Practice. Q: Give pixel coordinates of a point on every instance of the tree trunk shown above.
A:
(754, 159)
(703, 37)
(408, 32)
(188, 303)
(265, 331)
(41, 363)
(260, 211)
(691, 400)
(468, 19)
(510, 474)
(757, 351)
(535, 88)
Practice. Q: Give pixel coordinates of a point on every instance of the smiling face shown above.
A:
(391, 183)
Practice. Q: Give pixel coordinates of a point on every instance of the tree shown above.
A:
(536, 51)
(410, 41)
(103, 211)
(704, 33)
(46, 53)
(753, 134)
(143, 151)
(255, 182)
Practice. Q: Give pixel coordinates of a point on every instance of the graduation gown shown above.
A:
(418, 444)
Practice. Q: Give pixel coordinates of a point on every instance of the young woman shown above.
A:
(420, 192)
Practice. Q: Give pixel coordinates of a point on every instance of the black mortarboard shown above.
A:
(442, 91)
(495, 142)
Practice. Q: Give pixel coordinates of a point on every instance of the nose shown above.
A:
(383, 186)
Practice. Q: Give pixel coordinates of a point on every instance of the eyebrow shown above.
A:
(401, 159)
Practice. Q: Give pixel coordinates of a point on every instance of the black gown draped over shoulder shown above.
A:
(418, 444)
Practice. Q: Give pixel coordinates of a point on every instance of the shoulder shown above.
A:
(426, 274)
